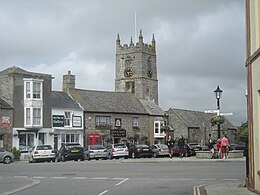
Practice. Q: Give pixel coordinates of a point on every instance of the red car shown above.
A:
(186, 150)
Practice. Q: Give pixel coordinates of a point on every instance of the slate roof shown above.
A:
(195, 118)
(152, 108)
(63, 100)
(18, 70)
(108, 101)
(4, 104)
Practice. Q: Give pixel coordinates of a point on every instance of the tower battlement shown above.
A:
(138, 47)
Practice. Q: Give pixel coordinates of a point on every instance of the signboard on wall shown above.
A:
(118, 133)
(5, 122)
(57, 120)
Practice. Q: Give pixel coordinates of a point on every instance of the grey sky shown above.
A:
(200, 44)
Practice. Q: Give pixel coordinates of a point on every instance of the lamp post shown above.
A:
(218, 92)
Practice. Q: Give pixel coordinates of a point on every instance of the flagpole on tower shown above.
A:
(135, 29)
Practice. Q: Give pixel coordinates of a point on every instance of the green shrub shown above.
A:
(16, 153)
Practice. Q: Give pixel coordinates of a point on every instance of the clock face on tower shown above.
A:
(128, 72)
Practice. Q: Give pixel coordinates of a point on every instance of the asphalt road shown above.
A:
(116, 177)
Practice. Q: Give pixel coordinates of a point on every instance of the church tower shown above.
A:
(136, 69)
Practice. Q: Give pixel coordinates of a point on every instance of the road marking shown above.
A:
(208, 179)
(231, 179)
(196, 189)
(122, 181)
(79, 178)
(21, 177)
(34, 182)
(38, 177)
(59, 177)
(103, 192)
(99, 178)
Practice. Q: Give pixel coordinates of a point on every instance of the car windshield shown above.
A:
(96, 147)
(45, 147)
(163, 146)
(120, 146)
(74, 146)
(142, 146)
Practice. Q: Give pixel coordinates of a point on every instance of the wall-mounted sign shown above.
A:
(57, 120)
(118, 133)
(76, 121)
(6, 122)
(118, 122)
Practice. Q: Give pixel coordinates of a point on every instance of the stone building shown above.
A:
(29, 94)
(253, 96)
(6, 125)
(195, 126)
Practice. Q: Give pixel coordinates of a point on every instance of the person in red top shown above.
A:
(218, 145)
(224, 146)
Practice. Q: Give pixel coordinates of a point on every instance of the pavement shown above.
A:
(227, 188)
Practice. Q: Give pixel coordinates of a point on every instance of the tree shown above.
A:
(242, 132)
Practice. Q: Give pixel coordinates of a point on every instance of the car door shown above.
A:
(1, 154)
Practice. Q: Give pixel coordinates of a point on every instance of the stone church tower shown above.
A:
(136, 69)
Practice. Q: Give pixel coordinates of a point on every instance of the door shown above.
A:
(93, 139)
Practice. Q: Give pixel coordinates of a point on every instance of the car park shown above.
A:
(186, 150)
(95, 152)
(117, 151)
(41, 153)
(70, 151)
(140, 150)
(194, 147)
(160, 150)
(6, 157)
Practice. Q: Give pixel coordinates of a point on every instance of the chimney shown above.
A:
(68, 82)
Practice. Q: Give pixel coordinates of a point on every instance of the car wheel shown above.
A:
(57, 159)
(133, 155)
(7, 160)
(155, 155)
(63, 158)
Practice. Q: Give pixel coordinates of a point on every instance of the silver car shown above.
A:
(6, 157)
(117, 151)
(95, 152)
(160, 150)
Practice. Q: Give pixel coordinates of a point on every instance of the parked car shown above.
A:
(194, 147)
(241, 146)
(117, 151)
(95, 152)
(41, 153)
(186, 151)
(71, 151)
(140, 150)
(6, 157)
(160, 150)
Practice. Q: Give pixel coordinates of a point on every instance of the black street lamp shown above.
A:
(218, 92)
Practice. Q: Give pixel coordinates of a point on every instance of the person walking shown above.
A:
(224, 146)
(170, 144)
(181, 144)
(211, 146)
(218, 145)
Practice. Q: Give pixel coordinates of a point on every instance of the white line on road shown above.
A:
(38, 177)
(208, 179)
(79, 178)
(99, 178)
(21, 177)
(103, 192)
(122, 181)
(231, 179)
(59, 177)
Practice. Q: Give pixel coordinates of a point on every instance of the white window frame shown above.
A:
(67, 119)
(32, 93)
(30, 120)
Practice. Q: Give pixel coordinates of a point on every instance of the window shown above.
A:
(156, 127)
(26, 141)
(37, 116)
(36, 90)
(33, 89)
(102, 120)
(135, 122)
(69, 138)
(67, 121)
(28, 116)
(33, 116)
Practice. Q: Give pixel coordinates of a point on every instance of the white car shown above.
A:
(117, 151)
(42, 153)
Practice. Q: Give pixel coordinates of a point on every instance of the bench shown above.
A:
(208, 154)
